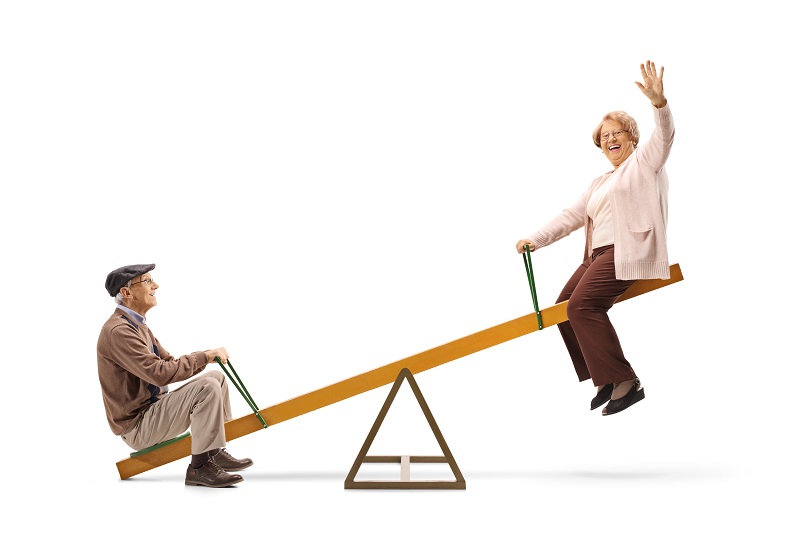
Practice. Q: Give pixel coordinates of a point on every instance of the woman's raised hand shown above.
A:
(653, 86)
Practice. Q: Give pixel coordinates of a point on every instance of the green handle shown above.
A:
(242, 390)
(529, 270)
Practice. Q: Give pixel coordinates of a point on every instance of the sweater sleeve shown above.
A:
(166, 356)
(569, 220)
(654, 152)
(132, 353)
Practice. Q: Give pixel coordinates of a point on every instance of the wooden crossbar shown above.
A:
(379, 377)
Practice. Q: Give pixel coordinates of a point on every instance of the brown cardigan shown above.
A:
(135, 370)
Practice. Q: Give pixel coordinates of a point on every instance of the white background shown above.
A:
(328, 187)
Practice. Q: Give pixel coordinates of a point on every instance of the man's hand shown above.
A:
(222, 353)
(653, 87)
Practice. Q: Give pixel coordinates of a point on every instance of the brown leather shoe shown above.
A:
(224, 460)
(211, 475)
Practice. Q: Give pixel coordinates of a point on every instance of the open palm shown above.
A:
(653, 85)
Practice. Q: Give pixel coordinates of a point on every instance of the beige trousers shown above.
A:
(201, 405)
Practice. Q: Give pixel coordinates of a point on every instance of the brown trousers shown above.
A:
(589, 336)
(202, 404)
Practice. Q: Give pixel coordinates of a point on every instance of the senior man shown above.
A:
(135, 372)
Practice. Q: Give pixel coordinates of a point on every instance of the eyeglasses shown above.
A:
(606, 136)
(148, 281)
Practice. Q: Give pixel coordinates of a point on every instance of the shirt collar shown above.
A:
(133, 314)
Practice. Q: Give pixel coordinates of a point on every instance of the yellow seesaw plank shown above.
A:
(384, 375)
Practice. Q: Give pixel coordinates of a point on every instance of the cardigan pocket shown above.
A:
(643, 245)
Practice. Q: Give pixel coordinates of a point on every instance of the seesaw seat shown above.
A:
(160, 444)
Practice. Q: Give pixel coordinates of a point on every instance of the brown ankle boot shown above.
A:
(224, 460)
(211, 475)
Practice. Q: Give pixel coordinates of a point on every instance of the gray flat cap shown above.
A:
(117, 279)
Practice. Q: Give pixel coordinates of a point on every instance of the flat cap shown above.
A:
(117, 279)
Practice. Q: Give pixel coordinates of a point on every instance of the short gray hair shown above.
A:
(118, 298)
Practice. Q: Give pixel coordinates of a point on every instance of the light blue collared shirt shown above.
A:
(133, 314)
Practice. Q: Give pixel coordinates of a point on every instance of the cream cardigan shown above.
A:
(638, 208)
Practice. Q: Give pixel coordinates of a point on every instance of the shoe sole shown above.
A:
(639, 396)
(222, 486)
(239, 469)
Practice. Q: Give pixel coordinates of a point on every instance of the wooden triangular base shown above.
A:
(405, 460)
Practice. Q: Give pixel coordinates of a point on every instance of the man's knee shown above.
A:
(216, 375)
(209, 384)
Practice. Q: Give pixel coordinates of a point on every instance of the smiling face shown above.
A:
(615, 142)
(141, 295)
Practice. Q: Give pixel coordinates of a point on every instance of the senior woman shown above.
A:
(624, 213)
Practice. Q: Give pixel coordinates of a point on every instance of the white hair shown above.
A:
(118, 299)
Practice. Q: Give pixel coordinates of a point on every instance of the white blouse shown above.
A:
(599, 210)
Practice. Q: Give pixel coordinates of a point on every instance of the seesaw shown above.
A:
(300, 405)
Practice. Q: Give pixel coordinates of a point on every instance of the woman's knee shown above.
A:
(575, 307)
